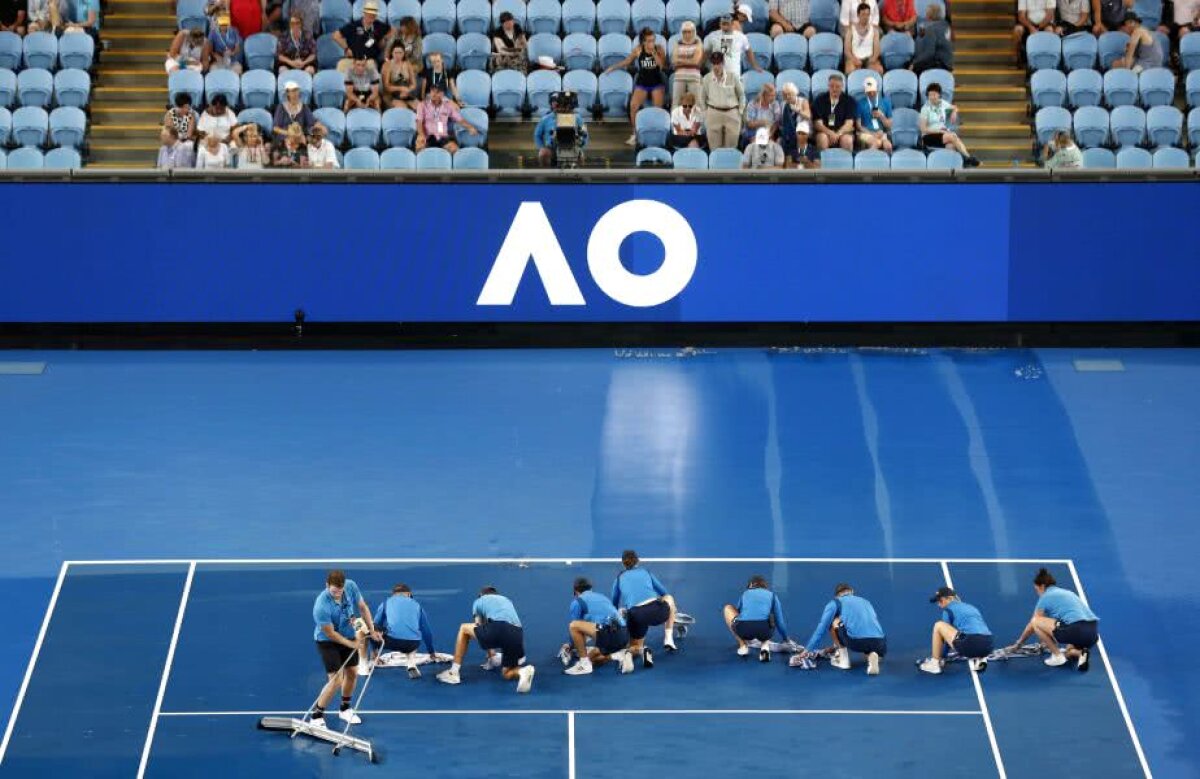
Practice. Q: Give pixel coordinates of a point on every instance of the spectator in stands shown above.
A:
(173, 153)
(407, 35)
(722, 100)
(248, 17)
(400, 87)
(732, 44)
(1109, 15)
(362, 86)
(1142, 51)
(12, 16)
(213, 155)
(687, 128)
(182, 118)
(292, 151)
(937, 116)
(898, 16)
(273, 17)
(1033, 16)
(363, 38)
(934, 48)
(791, 16)
(650, 77)
(437, 74)
(545, 137)
(743, 14)
(849, 12)
(435, 119)
(874, 118)
(85, 15)
(224, 47)
(687, 58)
(291, 110)
(762, 153)
(310, 12)
(509, 44)
(1187, 17)
(321, 153)
(45, 16)
(763, 113)
(1074, 16)
(796, 118)
(834, 114)
(188, 50)
(1062, 152)
(861, 41)
(804, 155)
(247, 147)
(296, 50)
(218, 119)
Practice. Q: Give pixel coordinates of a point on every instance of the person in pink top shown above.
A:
(434, 118)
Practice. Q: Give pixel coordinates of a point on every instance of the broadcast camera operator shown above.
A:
(561, 134)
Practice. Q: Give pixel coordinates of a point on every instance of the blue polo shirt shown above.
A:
(595, 608)
(858, 615)
(966, 618)
(758, 604)
(327, 611)
(636, 586)
(495, 608)
(402, 617)
(1064, 606)
(79, 10)
(870, 123)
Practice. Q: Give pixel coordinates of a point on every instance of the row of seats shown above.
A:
(37, 87)
(831, 159)
(363, 128)
(1045, 50)
(65, 126)
(28, 158)
(1154, 87)
(1133, 158)
(1125, 126)
(45, 50)
(426, 159)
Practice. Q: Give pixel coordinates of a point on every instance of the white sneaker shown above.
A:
(363, 669)
(581, 668)
(841, 659)
(526, 683)
(1054, 661)
(565, 655)
(449, 676)
(631, 140)
(1081, 664)
(743, 651)
(319, 722)
(414, 672)
(977, 664)
(873, 664)
(931, 666)
(348, 715)
(627, 663)
(669, 643)
(492, 663)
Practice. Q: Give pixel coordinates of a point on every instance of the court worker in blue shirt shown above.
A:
(594, 616)
(1061, 617)
(646, 603)
(497, 628)
(340, 636)
(403, 624)
(853, 626)
(961, 627)
(757, 616)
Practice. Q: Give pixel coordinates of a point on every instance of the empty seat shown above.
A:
(578, 16)
(474, 87)
(1156, 87)
(69, 159)
(579, 52)
(8, 88)
(262, 118)
(908, 159)
(763, 50)
(479, 120)
(900, 86)
(434, 159)
(329, 89)
(1050, 87)
(791, 51)
(653, 126)
(30, 126)
(906, 131)
(1043, 51)
(1164, 125)
(1099, 158)
(1049, 121)
(26, 158)
(514, 7)
(223, 82)
(710, 11)
(76, 51)
(474, 51)
(1193, 129)
(615, 89)
(612, 16)
(753, 82)
(5, 126)
(725, 159)
(443, 44)
(1170, 157)
(759, 22)
(539, 85)
(438, 16)
(334, 122)
(301, 79)
(943, 78)
(470, 159)
(190, 15)
(1079, 50)
(1084, 87)
(584, 84)
(474, 17)
(258, 89)
(335, 14)
(398, 159)
(260, 51)
(837, 159)
(363, 127)
(872, 159)
(798, 77)
(650, 14)
(1091, 127)
(10, 50)
(1191, 88)
(896, 49)
(361, 159)
(1127, 124)
(690, 159)
(329, 53)
(820, 82)
(612, 48)
(1111, 46)
(68, 126)
(35, 87)
(944, 159)
(1133, 158)
(680, 11)
(1189, 51)
(824, 15)
(654, 156)
(1120, 87)
(825, 51)
(544, 45)
(40, 50)
(508, 92)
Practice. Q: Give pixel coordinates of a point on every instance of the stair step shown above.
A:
(135, 35)
(141, 45)
(976, 76)
(119, 19)
(110, 146)
(106, 128)
(982, 36)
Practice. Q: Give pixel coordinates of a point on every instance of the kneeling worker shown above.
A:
(497, 628)
(403, 625)
(594, 616)
(962, 627)
(757, 615)
(853, 626)
(1061, 617)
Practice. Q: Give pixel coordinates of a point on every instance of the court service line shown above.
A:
(1112, 678)
(166, 674)
(570, 745)
(37, 650)
(598, 712)
(983, 708)
(564, 560)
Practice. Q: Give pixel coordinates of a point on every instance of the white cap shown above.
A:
(762, 137)
(744, 10)
(546, 61)
(869, 83)
(290, 85)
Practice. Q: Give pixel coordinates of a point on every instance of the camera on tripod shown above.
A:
(568, 135)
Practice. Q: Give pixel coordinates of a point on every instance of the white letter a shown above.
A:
(530, 237)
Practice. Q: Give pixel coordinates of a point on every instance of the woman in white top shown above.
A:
(247, 146)
(321, 153)
(188, 51)
(213, 155)
(687, 128)
(686, 58)
(862, 43)
(217, 119)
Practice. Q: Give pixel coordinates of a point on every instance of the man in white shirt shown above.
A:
(733, 44)
(1074, 16)
(1032, 16)
(1187, 17)
(850, 12)
(321, 153)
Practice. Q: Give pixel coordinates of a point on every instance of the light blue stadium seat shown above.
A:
(798, 77)
(900, 86)
(11, 50)
(8, 88)
(399, 10)
(944, 159)
(334, 15)
(329, 54)
(1156, 86)
(258, 89)
(3, 160)
(1133, 158)
(398, 159)
(759, 23)
(763, 50)
(189, 14)
(329, 89)
(399, 127)
(824, 15)
(260, 51)
(72, 87)
(1193, 130)
(837, 159)
(615, 89)
(474, 51)
(579, 52)
(69, 159)
(438, 16)
(474, 16)
(648, 13)
(30, 126)
(1091, 127)
(653, 126)
(1084, 87)
(545, 16)
(1043, 51)
(791, 51)
(1150, 11)
(680, 11)
(653, 156)
(508, 92)
(76, 51)
(475, 88)
(1164, 125)
(908, 159)
(1049, 87)
(363, 127)
(612, 17)
(479, 120)
(1189, 52)
(35, 87)
(725, 159)
(613, 48)
(753, 82)
(856, 80)
(444, 44)
(434, 159)
(711, 10)
(872, 159)
(579, 16)
(1127, 124)
(514, 7)
(26, 158)
(1120, 87)
(944, 78)
(262, 118)
(1191, 88)
(906, 129)
(5, 126)
(825, 51)
(539, 85)
(361, 159)
(585, 84)
(223, 82)
(1099, 159)
(896, 49)
(820, 81)
(1049, 121)
(334, 121)
(544, 45)
(1164, 43)
(690, 159)
(470, 159)
(1111, 46)
(302, 80)
(1079, 50)
(68, 127)
(1171, 158)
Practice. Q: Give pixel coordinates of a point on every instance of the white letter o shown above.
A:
(679, 253)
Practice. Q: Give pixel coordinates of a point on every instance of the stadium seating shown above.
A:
(438, 17)
(901, 87)
(475, 88)
(301, 79)
(896, 50)
(1170, 157)
(1111, 46)
(1189, 52)
(398, 159)
(361, 159)
(1127, 124)
(508, 92)
(76, 51)
(1164, 125)
(824, 15)
(539, 86)
(612, 48)
(399, 10)
(1099, 158)
(515, 7)
(258, 89)
(872, 159)
(1193, 128)
(908, 159)
(1084, 87)
(398, 127)
(26, 158)
(1120, 87)
(444, 44)
(334, 15)
(1043, 51)
(578, 17)
(943, 78)
(332, 118)
(470, 159)
(1050, 87)
(615, 89)
(798, 77)
(223, 82)
(479, 120)
(1132, 158)
(8, 88)
(329, 89)
(653, 156)
(1156, 87)
(1079, 50)
(944, 159)
(836, 159)
(363, 127)
(189, 15)
(825, 51)
(329, 53)
(35, 87)
(612, 17)
(584, 84)
(906, 133)
(820, 82)
(65, 158)
(473, 51)
(690, 159)
(653, 126)
(763, 50)
(434, 159)
(1049, 121)
(263, 119)
(10, 50)
(30, 126)
(725, 159)
(1091, 127)
(753, 81)
(680, 11)
(1192, 88)
(5, 126)
(259, 51)
(68, 127)
(855, 81)
(791, 51)
(650, 14)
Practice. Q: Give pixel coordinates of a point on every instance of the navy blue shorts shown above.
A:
(611, 638)
(1082, 635)
(405, 645)
(642, 618)
(335, 656)
(864, 645)
(973, 645)
(502, 637)
(753, 629)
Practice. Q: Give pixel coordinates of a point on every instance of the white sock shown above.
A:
(454, 667)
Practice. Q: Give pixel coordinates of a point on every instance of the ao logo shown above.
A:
(531, 237)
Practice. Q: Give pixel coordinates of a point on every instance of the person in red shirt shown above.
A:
(247, 16)
(899, 16)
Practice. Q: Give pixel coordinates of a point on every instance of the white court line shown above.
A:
(563, 560)
(585, 712)
(1112, 677)
(570, 745)
(37, 650)
(166, 674)
(987, 718)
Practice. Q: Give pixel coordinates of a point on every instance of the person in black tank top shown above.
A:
(650, 79)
